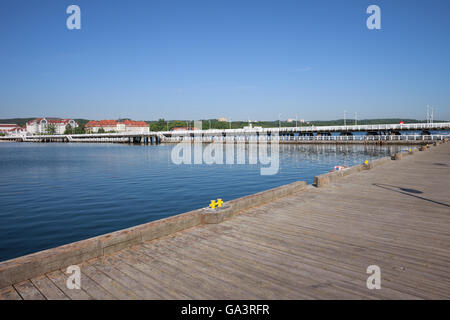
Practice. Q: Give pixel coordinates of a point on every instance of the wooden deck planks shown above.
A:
(28, 291)
(94, 290)
(137, 288)
(48, 289)
(208, 277)
(162, 276)
(187, 284)
(311, 241)
(9, 293)
(108, 284)
(158, 291)
(266, 277)
(205, 264)
(296, 269)
(59, 278)
(314, 261)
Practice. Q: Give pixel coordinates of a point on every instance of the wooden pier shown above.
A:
(313, 244)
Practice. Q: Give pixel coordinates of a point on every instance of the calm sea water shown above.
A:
(53, 194)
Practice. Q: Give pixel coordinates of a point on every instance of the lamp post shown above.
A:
(432, 115)
(279, 121)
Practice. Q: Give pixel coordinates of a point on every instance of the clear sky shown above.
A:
(240, 59)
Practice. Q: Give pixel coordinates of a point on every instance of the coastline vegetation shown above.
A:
(164, 125)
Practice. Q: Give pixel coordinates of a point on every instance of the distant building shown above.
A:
(11, 128)
(293, 120)
(6, 127)
(117, 126)
(222, 119)
(250, 126)
(44, 125)
(183, 128)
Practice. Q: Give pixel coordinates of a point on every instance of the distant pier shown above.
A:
(375, 134)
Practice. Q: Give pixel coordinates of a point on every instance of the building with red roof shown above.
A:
(6, 127)
(117, 126)
(11, 128)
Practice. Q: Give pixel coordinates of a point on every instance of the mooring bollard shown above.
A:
(217, 212)
(216, 203)
(367, 165)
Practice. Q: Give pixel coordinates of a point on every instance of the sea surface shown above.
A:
(54, 193)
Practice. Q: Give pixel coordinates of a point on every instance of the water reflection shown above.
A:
(53, 194)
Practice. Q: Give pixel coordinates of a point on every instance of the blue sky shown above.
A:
(240, 59)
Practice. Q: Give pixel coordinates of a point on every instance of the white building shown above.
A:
(47, 125)
(11, 129)
(250, 127)
(7, 127)
(117, 126)
(294, 120)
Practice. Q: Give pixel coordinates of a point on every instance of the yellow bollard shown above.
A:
(219, 202)
(212, 205)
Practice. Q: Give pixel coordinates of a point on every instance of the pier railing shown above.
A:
(359, 138)
(314, 129)
(147, 138)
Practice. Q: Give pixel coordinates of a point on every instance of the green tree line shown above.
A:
(163, 125)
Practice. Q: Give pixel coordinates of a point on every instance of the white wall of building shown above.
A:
(122, 128)
(40, 126)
